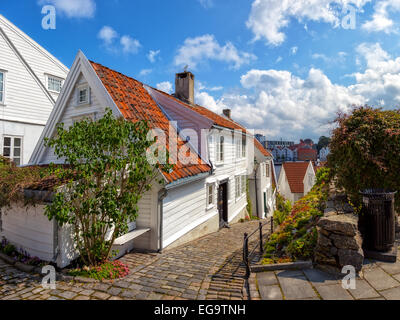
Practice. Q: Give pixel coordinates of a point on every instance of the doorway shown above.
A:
(223, 204)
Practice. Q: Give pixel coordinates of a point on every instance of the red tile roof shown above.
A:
(295, 173)
(136, 104)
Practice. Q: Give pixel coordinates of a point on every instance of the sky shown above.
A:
(284, 68)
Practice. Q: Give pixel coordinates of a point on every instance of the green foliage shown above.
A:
(106, 271)
(249, 204)
(107, 175)
(295, 238)
(365, 151)
(13, 180)
(283, 209)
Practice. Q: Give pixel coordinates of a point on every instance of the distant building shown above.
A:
(305, 154)
(274, 144)
(296, 179)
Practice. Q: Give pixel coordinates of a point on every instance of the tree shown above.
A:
(323, 143)
(107, 173)
(365, 151)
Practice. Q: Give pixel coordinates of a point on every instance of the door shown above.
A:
(223, 204)
(265, 205)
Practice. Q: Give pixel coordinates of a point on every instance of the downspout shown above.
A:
(162, 194)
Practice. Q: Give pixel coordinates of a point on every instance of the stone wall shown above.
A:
(339, 243)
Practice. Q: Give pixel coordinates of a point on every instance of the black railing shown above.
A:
(247, 256)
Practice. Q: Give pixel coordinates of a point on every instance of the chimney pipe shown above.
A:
(184, 86)
(227, 113)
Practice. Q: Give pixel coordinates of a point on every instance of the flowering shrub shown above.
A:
(365, 150)
(19, 255)
(105, 271)
(296, 237)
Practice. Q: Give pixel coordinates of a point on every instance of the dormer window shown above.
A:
(244, 144)
(83, 95)
(54, 84)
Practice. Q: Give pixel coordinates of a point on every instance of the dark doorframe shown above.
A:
(223, 204)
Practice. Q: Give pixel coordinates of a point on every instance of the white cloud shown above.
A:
(281, 104)
(152, 55)
(165, 86)
(198, 50)
(126, 44)
(145, 72)
(207, 4)
(107, 35)
(293, 50)
(73, 8)
(129, 45)
(380, 19)
(269, 17)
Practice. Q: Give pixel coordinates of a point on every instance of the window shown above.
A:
(244, 143)
(238, 145)
(267, 170)
(2, 86)
(240, 186)
(243, 185)
(83, 95)
(12, 149)
(54, 84)
(210, 195)
(220, 149)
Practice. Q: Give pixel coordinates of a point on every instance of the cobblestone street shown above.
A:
(208, 268)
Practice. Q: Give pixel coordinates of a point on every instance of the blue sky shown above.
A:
(285, 69)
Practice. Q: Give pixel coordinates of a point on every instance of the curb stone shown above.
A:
(298, 265)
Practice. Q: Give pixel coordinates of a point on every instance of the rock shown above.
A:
(323, 241)
(343, 242)
(321, 258)
(351, 258)
(342, 224)
(334, 251)
(7, 259)
(329, 212)
(323, 232)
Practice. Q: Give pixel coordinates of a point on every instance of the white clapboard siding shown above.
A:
(182, 207)
(29, 229)
(71, 111)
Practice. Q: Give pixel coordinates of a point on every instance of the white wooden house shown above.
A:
(195, 199)
(296, 179)
(30, 82)
(262, 183)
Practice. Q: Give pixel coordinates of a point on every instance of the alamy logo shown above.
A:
(49, 20)
(49, 280)
(349, 281)
(349, 18)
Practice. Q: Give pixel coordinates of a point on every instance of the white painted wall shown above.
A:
(27, 105)
(309, 179)
(29, 229)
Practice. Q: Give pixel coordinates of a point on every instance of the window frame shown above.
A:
(3, 87)
(240, 186)
(208, 194)
(12, 148)
(50, 76)
(244, 146)
(78, 95)
(220, 148)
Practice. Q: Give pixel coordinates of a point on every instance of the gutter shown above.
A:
(255, 183)
(184, 181)
(162, 194)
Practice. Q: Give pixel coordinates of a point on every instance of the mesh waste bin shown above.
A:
(377, 220)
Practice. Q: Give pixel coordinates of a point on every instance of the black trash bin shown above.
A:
(377, 220)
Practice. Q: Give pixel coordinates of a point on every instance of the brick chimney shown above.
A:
(184, 86)
(227, 113)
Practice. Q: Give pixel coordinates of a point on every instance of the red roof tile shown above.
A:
(136, 104)
(295, 173)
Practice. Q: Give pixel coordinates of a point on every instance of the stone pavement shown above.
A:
(208, 268)
(380, 281)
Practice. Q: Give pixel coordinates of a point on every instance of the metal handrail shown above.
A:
(247, 236)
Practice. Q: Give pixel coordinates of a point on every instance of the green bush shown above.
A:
(365, 150)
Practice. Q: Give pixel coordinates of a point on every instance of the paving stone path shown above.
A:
(380, 281)
(208, 268)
